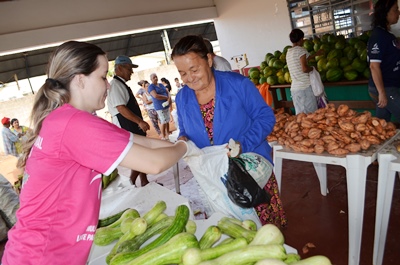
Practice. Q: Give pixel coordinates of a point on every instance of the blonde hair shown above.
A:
(69, 59)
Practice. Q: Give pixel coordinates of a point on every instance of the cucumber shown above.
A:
(235, 230)
(125, 249)
(249, 254)
(210, 237)
(169, 253)
(110, 219)
(177, 226)
(154, 212)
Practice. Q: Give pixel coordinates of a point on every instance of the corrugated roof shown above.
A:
(33, 63)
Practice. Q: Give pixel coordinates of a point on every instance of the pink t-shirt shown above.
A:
(60, 199)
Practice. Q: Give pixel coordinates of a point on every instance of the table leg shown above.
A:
(321, 173)
(278, 167)
(356, 175)
(175, 170)
(386, 178)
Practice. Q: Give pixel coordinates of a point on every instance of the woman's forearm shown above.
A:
(376, 74)
(153, 161)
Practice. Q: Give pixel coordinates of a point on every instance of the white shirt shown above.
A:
(300, 80)
(221, 64)
(117, 95)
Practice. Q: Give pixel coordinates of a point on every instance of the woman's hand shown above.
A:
(382, 100)
(183, 138)
(235, 148)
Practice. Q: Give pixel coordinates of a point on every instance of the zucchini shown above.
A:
(160, 217)
(177, 226)
(270, 262)
(154, 212)
(110, 219)
(250, 225)
(169, 253)
(314, 260)
(194, 256)
(126, 214)
(191, 227)
(126, 224)
(210, 237)
(125, 249)
(106, 235)
(226, 240)
(235, 230)
(291, 258)
(137, 227)
(268, 234)
(249, 254)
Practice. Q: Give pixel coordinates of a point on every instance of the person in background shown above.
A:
(149, 105)
(166, 83)
(66, 154)
(297, 57)
(161, 100)
(9, 138)
(384, 59)
(219, 62)
(178, 84)
(21, 131)
(212, 109)
(140, 91)
(124, 108)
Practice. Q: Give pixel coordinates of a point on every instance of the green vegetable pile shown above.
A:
(107, 179)
(342, 59)
(174, 242)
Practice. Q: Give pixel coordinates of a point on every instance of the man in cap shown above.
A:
(9, 138)
(123, 107)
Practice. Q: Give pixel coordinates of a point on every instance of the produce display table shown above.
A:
(142, 199)
(356, 173)
(389, 164)
(281, 99)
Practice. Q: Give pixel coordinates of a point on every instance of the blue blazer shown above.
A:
(240, 113)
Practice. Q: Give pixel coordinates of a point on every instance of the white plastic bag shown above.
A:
(210, 171)
(316, 83)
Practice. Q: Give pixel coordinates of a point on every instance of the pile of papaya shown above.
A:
(342, 59)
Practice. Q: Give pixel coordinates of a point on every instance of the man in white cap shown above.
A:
(124, 108)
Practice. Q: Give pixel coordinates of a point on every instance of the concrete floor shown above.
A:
(323, 221)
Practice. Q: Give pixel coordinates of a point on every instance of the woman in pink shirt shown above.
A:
(65, 156)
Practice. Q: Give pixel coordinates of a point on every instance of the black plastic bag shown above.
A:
(242, 189)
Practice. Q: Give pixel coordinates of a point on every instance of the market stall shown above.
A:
(352, 93)
(335, 136)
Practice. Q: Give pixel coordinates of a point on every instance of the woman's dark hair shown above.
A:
(190, 43)
(381, 9)
(296, 35)
(165, 80)
(13, 120)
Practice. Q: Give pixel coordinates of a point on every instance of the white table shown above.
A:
(389, 164)
(356, 173)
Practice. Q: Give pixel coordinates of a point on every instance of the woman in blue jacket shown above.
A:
(216, 106)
